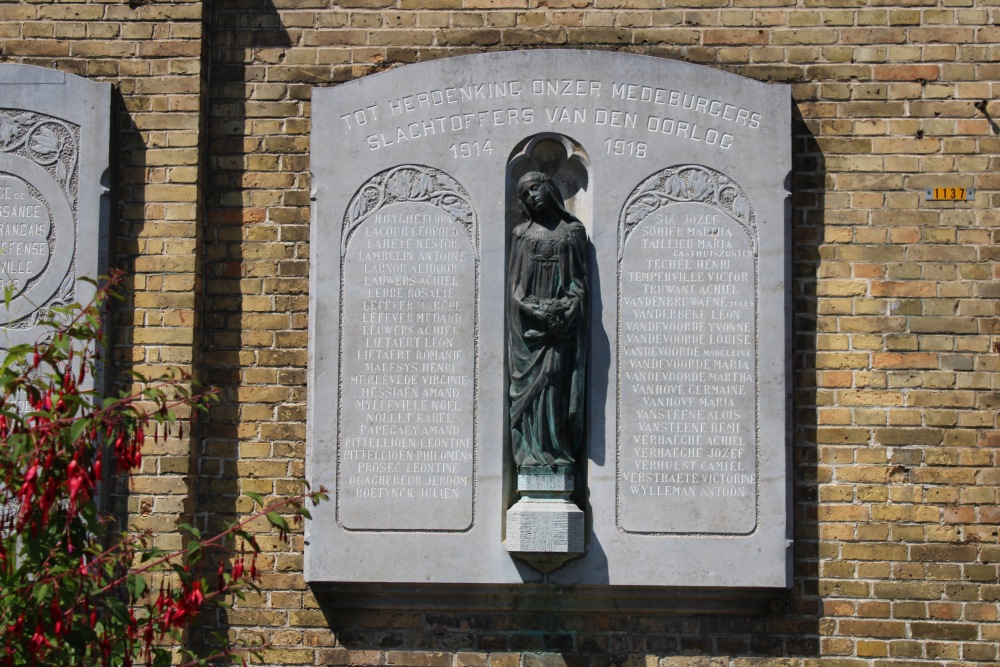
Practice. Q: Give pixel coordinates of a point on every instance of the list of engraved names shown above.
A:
(687, 374)
(406, 452)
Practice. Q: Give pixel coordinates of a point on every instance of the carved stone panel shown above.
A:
(687, 357)
(407, 368)
(54, 147)
(54, 157)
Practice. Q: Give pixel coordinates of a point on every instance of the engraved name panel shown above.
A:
(687, 366)
(406, 456)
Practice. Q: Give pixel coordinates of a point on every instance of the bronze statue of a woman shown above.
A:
(547, 330)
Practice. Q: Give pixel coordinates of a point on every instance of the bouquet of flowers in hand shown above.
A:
(550, 313)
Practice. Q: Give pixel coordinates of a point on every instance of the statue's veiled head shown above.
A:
(540, 194)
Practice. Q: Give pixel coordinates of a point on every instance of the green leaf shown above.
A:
(78, 427)
(277, 520)
(151, 554)
(117, 608)
(190, 530)
(16, 355)
(41, 592)
(256, 497)
(136, 586)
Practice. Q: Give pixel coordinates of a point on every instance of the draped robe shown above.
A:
(547, 359)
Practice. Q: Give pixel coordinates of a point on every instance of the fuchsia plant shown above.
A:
(74, 589)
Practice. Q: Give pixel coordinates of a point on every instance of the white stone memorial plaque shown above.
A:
(54, 209)
(687, 365)
(54, 157)
(677, 173)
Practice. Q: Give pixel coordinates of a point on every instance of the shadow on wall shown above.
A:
(142, 290)
(257, 202)
(244, 328)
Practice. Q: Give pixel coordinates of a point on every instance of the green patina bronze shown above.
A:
(547, 330)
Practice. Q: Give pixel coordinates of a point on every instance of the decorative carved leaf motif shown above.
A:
(741, 209)
(675, 186)
(726, 194)
(45, 141)
(409, 184)
(637, 212)
(421, 186)
(398, 186)
(700, 185)
(649, 185)
(456, 208)
(61, 171)
(358, 207)
(8, 129)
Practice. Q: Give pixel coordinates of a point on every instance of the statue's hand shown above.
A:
(554, 322)
(551, 316)
(568, 309)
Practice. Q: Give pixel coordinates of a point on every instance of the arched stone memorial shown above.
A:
(54, 209)
(655, 301)
(54, 158)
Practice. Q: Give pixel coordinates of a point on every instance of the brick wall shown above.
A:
(152, 53)
(897, 336)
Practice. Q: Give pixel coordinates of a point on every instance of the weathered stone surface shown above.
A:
(546, 526)
(54, 148)
(54, 157)
(678, 174)
(688, 344)
(409, 285)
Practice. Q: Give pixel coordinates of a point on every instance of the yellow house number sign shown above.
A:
(950, 194)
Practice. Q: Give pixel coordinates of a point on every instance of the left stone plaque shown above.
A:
(409, 279)
(54, 148)
(54, 209)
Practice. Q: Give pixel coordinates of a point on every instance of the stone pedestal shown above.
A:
(544, 528)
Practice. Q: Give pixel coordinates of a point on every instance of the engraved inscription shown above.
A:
(39, 183)
(611, 106)
(25, 225)
(406, 454)
(687, 361)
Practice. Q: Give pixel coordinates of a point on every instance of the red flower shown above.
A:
(38, 639)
